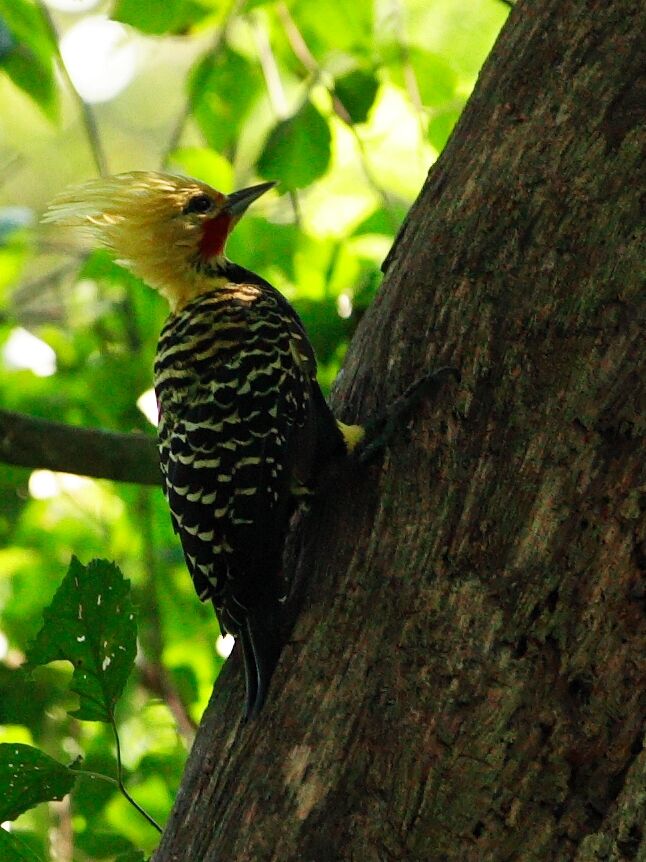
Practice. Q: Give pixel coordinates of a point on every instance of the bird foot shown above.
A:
(381, 430)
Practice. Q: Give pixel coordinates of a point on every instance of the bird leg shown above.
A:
(380, 430)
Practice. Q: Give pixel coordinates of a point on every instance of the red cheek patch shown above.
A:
(214, 235)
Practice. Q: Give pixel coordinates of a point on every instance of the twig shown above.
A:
(234, 9)
(26, 441)
(122, 786)
(154, 677)
(61, 837)
(117, 782)
(302, 53)
(275, 92)
(296, 41)
(269, 66)
(89, 120)
(410, 78)
(153, 674)
(34, 288)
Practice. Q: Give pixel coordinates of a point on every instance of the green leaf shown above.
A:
(204, 164)
(297, 151)
(435, 79)
(153, 17)
(33, 77)
(96, 842)
(262, 245)
(14, 243)
(13, 850)
(333, 25)
(7, 42)
(222, 88)
(357, 91)
(384, 221)
(26, 24)
(23, 701)
(28, 53)
(28, 777)
(441, 125)
(131, 856)
(90, 623)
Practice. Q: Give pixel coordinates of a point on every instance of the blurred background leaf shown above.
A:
(297, 151)
(27, 53)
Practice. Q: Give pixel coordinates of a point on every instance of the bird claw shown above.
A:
(380, 431)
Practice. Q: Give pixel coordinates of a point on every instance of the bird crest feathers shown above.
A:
(141, 217)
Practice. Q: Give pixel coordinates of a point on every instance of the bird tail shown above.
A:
(261, 649)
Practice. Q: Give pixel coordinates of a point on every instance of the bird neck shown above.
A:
(206, 277)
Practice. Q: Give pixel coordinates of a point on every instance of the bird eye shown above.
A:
(199, 204)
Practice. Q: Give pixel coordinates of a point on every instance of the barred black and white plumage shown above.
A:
(243, 427)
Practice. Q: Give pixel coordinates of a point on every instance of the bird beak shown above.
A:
(237, 202)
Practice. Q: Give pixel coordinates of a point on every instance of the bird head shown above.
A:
(169, 230)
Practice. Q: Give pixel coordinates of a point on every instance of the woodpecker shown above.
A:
(244, 428)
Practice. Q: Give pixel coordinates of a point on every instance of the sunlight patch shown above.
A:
(224, 645)
(25, 351)
(100, 56)
(147, 403)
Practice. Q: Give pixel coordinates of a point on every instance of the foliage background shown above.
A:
(347, 105)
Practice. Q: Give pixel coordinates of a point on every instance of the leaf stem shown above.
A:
(121, 785)
(87, 773)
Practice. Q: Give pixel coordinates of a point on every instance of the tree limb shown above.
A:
(27, 441)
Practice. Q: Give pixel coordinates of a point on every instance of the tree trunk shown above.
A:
(465, 679)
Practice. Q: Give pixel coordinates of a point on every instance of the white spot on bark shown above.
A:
(310, 794)
(296, 764)
(309, 790)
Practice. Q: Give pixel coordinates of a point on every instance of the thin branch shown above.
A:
(271, 74)
(154, 678)
(34, 289)
(26, 441)
(234, 9)
(275, 92)
(296, 41)
(302, 53)
(122, 786)
(61, 836)
(410, 78)
(89, 120)
(152, 672)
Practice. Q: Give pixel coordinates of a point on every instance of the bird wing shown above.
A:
(231, 430)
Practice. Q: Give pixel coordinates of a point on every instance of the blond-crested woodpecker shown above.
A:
(243, 426)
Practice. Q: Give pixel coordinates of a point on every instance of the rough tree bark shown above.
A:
(465, 680)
